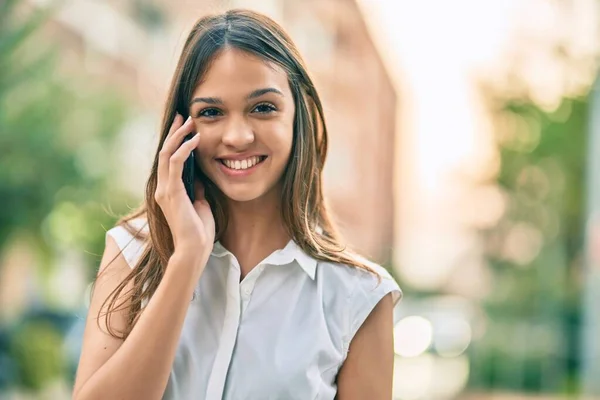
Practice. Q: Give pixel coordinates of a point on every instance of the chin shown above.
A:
(243, 194)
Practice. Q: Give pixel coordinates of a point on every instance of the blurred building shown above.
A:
(122, 46)
(129, 47)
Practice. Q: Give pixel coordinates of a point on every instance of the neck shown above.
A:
(255, 229)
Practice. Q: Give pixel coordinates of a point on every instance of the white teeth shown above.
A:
(243, 164)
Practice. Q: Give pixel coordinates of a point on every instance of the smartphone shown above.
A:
(189, 168)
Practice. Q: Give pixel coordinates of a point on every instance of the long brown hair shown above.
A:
(303, 207)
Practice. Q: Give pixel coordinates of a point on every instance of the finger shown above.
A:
(199, 190)
(177, 159)
(177, 122)
(199, 196)
(163, 168)
(168, 148)
(173, 142)
(199, 193)
(202, 206)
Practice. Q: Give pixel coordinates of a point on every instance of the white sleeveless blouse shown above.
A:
(281, 333)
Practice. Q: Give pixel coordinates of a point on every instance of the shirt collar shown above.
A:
(291, 252)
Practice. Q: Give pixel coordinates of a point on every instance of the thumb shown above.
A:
(199, 198)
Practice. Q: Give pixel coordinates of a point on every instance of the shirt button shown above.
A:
(247, 291)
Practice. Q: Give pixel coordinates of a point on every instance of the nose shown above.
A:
(238, 133)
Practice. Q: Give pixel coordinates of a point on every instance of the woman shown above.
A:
(246, 293)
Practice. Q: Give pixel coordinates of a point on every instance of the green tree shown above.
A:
(56, 133)
(535, 250)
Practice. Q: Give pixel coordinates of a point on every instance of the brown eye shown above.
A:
(209, 113)
(264, 108)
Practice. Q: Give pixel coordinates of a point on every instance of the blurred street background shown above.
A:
(464, 157)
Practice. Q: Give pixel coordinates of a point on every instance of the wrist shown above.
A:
(193, 258)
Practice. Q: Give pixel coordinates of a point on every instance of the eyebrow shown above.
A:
(254, 94)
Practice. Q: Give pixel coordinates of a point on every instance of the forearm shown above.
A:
(140, 368)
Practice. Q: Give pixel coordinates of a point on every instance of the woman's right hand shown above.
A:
(192, 225)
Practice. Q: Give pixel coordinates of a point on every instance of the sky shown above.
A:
(437, 52)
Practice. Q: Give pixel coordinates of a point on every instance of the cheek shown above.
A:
(203, 153)
(281, 138)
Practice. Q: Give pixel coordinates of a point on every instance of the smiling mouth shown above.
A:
(240, 165)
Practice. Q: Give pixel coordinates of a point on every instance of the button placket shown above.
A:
(247, 286)
(218, 376)
(245, 293)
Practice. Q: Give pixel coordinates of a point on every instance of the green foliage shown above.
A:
(37, 350)
(535, 249)
(56, 135)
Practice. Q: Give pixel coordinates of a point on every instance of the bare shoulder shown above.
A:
(367, 372)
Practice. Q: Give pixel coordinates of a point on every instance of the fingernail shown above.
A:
(189, 119)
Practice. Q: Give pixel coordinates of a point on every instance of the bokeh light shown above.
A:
(412, 336)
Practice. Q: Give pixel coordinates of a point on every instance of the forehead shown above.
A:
(234, 71)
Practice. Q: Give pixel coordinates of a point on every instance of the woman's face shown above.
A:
(244, 111)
